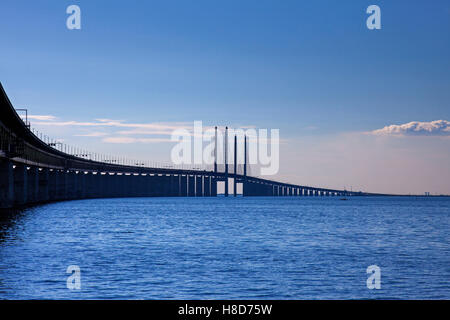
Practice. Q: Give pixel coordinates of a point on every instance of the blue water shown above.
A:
(218, 248)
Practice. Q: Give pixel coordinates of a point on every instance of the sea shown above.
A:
(228, 248)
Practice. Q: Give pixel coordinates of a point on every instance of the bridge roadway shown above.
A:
(31, 171)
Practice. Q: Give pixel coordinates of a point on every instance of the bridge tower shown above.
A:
(226, 161)
(235, 167)
(215, 150)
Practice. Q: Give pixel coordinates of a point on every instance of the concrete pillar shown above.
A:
(6, 184)
(166, 189)
(43, 185)
(152, 185)
(53, 184)
(132, 185)
(207, 186)
(142, 180)
(127, 183)
(63, 185)
(174, 186)
(80, 190)
(20, 184)
(96, 186)
(71, 185)
(116, 184)
(101, 189)
(109, 185)
(89, 184)
(198, 186)
(213, 187)
(191, 186)
(183, 188)
(33, 184)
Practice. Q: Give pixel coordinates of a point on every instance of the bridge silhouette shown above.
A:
(34, 171)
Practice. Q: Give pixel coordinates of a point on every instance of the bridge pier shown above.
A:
(89, 180)
(20, 185)
(149, 186)
(70, 184)
(53, 185)
(198, 186)
(43, 185)
(174, 185)
(207, 186)
(33, 184)
(62, 185)
(6, 184)
(143, 180)
(178, 179)
(213, 187)
(81, 186)
(183, 185)
(191, 186)
(133, 185)
(166, 185)
(116, 184)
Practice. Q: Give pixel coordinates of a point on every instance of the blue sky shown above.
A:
(309, 68)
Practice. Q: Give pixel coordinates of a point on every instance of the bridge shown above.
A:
(33, 171)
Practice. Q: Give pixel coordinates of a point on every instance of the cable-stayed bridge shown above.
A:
(35, 169)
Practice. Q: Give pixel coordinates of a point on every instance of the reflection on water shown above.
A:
(245, 248)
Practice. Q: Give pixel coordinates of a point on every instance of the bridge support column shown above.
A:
(213, 187)
(165, 185)
(178, 181)
(183, 185)
(245, 189)
(207, 186)
(53, 185)
(198, 186)
(33, 184)
(117, 188)
(43, 185)
(174, 185)
(6, 184)
(96, 185)
(71, 185)
(62, 185)
(110, 185)
(142, 185)
(131, 185)
(191, 186)
(152, 185)
(20, 185)
(81, 185)
(89, 185)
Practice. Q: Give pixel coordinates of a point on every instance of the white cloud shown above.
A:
(40, 117)
(126, 140)
(416, 128)
(92, 134)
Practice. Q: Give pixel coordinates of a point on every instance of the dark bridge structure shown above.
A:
(33, 171)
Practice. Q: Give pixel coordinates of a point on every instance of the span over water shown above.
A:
(33, 171)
